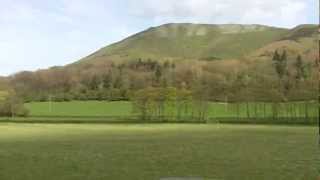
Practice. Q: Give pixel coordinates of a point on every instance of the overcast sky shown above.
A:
(41, 33)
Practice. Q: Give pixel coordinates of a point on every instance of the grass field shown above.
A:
(3, 95)
(80, 108)
(102, 108)
(149, 152)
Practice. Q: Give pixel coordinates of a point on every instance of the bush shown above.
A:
(62, 97)
(13, 106)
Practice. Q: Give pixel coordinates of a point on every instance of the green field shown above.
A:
(103, 108)
(80, 108)
(149, 152)
(3, 95)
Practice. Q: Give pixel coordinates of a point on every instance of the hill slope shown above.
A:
(245, 51)
(191, 41)
(301, 40)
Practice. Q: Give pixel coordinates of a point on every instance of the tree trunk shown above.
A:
(264, 110)
(248, 110)
(306, 110)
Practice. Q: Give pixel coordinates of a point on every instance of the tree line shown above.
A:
(10, 104)
(170, 104)
(229, 80)
(282, 78)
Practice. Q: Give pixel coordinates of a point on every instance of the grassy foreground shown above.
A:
(149, 152)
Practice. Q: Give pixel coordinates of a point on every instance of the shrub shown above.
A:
(12, 106)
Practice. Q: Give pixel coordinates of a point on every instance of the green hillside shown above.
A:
(221, 57)
(302, 40)
(191, 41)
(302, 31)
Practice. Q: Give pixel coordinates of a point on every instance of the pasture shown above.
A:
(3, 95)
(154, 151)
(80, 108)
(124, 108)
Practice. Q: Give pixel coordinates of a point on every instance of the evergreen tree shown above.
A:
(107, 81)
(276, 56)
(158, 73)
(280, 63)
(299, 68)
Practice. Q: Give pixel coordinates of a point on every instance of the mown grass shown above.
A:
(122, 109)
(80, 108)
(149, 152)
(3, 95)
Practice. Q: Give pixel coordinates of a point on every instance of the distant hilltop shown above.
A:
(206, 41)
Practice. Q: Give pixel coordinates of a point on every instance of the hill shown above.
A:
(222, 58)
(302, 40)
(191, 41)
